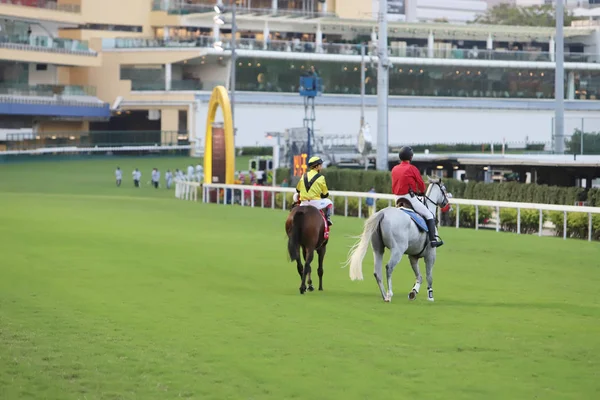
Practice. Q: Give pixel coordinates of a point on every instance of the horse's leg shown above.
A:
(306, 271)
(429, 262)
(389, 269)
(414, 263)
(321, 253)
(378, 272)
(310, 287)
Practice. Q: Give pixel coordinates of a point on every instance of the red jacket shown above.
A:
(406, 176)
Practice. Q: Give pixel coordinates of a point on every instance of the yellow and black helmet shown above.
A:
(314, 161)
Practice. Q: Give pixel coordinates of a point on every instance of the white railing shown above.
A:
(95, 149)
(186, 190)
(243, 191)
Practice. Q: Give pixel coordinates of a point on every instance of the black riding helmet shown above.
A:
(406, 153)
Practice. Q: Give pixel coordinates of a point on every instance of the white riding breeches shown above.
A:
(417, 206)
(319, 204)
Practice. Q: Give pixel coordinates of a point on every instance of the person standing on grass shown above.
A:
(169, 178)
(370, 203)
(190, 172)
(137, 175)
(155, 177)
(119, 176)
(199, 172)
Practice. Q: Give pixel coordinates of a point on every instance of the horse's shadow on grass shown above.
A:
(400, 297)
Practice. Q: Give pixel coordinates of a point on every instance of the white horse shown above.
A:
(394, 229)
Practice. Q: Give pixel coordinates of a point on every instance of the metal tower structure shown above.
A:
(310, 87)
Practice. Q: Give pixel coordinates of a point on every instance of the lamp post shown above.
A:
(559, 82)
(276, 150)
(219, 46)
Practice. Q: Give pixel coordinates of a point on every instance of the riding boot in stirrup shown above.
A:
(432, 237)
(328, 216)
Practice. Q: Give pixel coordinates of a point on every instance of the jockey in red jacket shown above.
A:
(406, 183)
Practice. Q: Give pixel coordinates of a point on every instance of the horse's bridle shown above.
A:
(444, 203)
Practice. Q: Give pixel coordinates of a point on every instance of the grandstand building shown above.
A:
(75, 66)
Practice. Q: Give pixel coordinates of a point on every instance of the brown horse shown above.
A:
(306, 228)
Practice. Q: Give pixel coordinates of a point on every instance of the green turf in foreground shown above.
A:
(115, 294)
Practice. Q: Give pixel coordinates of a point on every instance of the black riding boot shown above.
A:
(432, 237)
(328, 215)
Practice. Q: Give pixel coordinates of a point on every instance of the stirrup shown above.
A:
(436, 243)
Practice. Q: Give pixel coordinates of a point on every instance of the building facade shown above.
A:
(150, 65)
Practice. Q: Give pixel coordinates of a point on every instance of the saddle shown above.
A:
(407, 207)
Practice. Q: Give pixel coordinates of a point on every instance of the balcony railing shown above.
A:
(46, 43)
(346, 49)
(179, 7)
(48, 90)
(29, 141)
(45, 4)
(176, 85)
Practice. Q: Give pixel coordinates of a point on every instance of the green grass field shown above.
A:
(124, 293)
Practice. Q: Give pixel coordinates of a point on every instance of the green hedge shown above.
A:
(362, 181)
(257, 151)
(577, 224)
(466, 216)
(530, 220)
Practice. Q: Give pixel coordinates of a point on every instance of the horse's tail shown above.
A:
(294, 239)
(358, 251)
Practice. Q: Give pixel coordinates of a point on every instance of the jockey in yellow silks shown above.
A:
(312, 189)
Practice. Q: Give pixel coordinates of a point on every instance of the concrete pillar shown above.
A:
(324, 7)
(216, 32)
(274, 5)
(169, 125)
(430, 45)
(166, 33)
(168, 76)
(410, 10)
(552, 48)
(489, 44)
(266, 34)
(571, 86)
(319, 39)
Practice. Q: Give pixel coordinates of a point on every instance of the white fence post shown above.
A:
(359, 208)
(541, 224)
(589, 227)
(457, 216)
(497, 219)
(518, 221)
(345, 206)
(565, 225)
(476, 217)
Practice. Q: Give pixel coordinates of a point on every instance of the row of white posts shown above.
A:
(186, 190)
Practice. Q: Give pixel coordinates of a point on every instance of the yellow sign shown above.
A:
(300, 164)
(219, 98)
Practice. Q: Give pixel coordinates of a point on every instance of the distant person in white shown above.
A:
(119, 176)
(199, 172)
(190, 173)
(137, 175)
(155, 177)
(169, 178)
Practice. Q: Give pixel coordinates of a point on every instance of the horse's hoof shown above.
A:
(430, 299)
(320, 289)
(412, 295)
(302, 291)
(430, 295)
(311, 289)
(387, 299)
